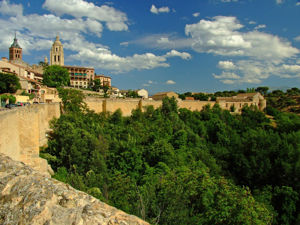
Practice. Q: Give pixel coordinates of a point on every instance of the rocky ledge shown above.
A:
(29, 197)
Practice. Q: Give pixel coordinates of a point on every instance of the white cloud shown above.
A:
(163, 40)
(197, 14)
(294, 69)
(297, 38)
(261, 26)
(269, 47)
(10, 9)
(125, 43)
(218, 36)
(298, 3)
(221, 36)
(254, 72)
(115, 20)
(170, 82)
(149, 83)
(37, 32)
(279, 1)
(226, 65)
(226, 1)
(262, 53)
(183, 55)
(252, 22)
(227, 81)
(156, 10)
(101, 57)
(227, 75)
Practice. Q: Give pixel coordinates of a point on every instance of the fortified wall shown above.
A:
(23, 131)
(127, 105)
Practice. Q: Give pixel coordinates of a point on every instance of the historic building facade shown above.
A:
(236, 103)
(80, 77)
(30, 79)
(104, 80)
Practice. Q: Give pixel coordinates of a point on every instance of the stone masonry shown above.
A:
(29, 197)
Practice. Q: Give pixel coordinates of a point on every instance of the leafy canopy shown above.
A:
(9, 83)
(56, 76)
(175, 166)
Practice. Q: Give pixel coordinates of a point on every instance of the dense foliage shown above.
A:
(56, 76)
(11, 99)
(9, 83)
(175, 166)
(286, 101)
(213, 96)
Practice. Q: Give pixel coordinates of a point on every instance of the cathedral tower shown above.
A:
(57, 53)
(15, 51)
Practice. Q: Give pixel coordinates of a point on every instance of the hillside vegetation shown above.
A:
(171, 166)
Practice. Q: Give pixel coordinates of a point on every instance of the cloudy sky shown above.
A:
(161, 45)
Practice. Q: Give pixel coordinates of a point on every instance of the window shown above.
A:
(55, 58)
(58, 58)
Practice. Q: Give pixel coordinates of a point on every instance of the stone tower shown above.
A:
(57, 53)
(46, 60)
(15, 51)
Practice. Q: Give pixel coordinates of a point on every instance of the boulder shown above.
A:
(30, 197)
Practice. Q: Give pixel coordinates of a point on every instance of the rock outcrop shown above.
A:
(29, 197)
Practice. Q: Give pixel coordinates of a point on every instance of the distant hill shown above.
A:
(288, 101)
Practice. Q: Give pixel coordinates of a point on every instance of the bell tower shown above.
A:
(57, 53)
(15, 51)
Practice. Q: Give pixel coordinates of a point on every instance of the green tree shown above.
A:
(43, 64)
(132, 94)
(56, 76)
(9, 83)
(105, 90)
(250, 90)
(72, 100)
(262, 90)
(96, 85)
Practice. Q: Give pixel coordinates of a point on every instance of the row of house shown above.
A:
(31, 76)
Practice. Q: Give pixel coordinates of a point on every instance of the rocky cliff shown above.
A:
(29, 197)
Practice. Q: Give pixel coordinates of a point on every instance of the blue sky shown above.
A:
(163, 45)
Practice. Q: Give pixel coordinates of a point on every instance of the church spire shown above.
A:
(15, 44)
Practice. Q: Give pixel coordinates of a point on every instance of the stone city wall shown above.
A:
(127, 105)
(195, 105)
(23, 131)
